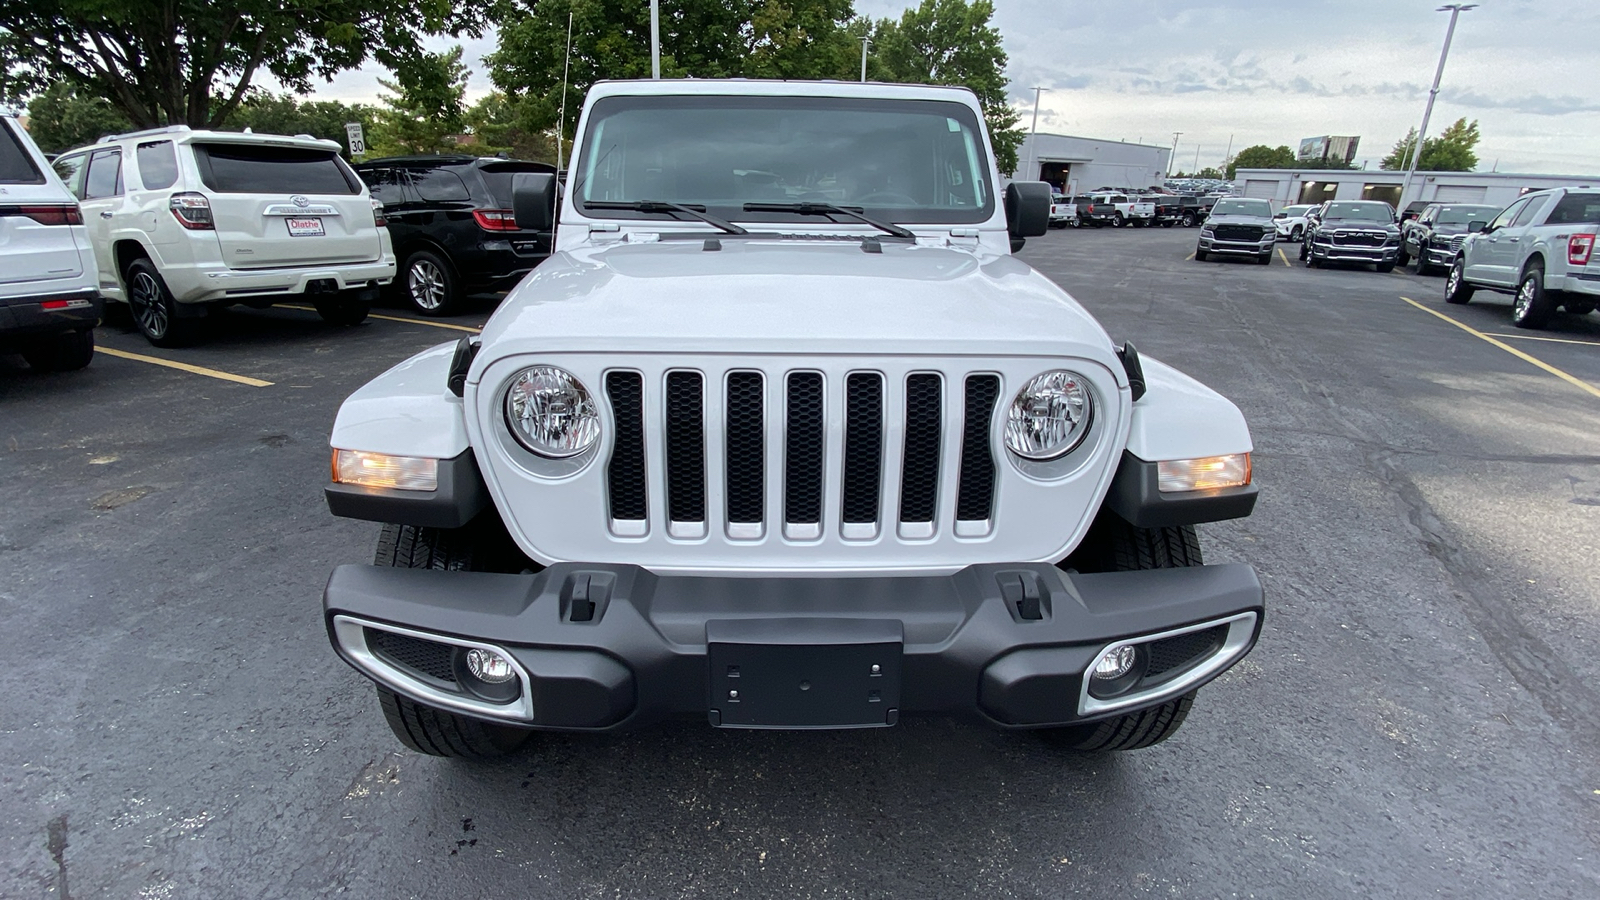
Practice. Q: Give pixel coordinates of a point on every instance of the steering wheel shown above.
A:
(890, 198)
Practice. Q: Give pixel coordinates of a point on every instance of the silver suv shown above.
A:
(1539, 249)
(184, 222)
(48, 301)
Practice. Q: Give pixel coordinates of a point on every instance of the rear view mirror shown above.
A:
(1477, 226)
(533, 200)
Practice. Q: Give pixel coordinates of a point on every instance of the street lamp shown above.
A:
(1455, 10)
(1032, 131)
(865, 42)
(655, 39)
(1173, 154)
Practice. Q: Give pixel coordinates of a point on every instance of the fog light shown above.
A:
(1115, 663)
(489, 667)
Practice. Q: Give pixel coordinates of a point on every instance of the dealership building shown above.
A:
(1285, 187)
(1076, 164)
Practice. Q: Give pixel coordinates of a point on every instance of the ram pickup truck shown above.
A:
(1169, 209)
(805, 450)
(1540, 250)
(1126, 210)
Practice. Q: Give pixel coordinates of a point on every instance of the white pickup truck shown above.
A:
(1539, 249)
(1126, 210)
(782, 435)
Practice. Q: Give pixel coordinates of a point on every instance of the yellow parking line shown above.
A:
(467, 328)
(1189, 257)
(1509, 349)
(184, 367)
(1529, 337)
(1284, 258)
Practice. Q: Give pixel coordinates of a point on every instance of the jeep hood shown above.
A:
(795, 296)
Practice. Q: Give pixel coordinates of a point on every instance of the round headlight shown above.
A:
(551, 413)
(1049, 416)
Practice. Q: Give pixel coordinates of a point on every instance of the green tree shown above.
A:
(1261, 157)
(285, 114)
(699, 39)
(62, 117)
(193, 62)
(953, 42)
(1454, 150)
(427, 107)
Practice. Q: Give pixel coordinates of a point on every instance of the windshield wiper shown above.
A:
(812, 208)
(663, 206)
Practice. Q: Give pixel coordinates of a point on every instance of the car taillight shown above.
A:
(1091, 209)
(192, 210)
(378, 218)
(46, 215)
(496, 219)
(1579, 246)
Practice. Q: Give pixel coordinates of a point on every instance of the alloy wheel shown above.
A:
(426, 284)
(144, 296)
(1524, 298)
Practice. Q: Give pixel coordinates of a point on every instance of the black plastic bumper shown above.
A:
(607, 647)
(24, 316)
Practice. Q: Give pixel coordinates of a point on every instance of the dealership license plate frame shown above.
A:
(305, 226)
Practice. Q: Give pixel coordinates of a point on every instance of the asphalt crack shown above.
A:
(56, 842)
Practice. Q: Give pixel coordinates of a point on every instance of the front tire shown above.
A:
(1532, 308)
(1404, 259)
(66, 352)
(1456, 288)
(155, 313)
(1134, 731)
(1199, 255)
(1265, 259)
(1296, 234)
(1385, 267)
(438, 733)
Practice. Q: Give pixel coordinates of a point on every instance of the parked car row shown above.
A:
(178, 223)
(1539, 249)
(1118, 210)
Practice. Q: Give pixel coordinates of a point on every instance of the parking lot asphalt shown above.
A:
(1421, 717)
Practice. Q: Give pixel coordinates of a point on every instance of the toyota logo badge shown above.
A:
(301, 201)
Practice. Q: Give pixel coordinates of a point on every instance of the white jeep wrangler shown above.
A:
(783, 436)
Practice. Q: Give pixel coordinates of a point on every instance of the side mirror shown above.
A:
(1027, 210)
(1281, 216)
(1477, 226)
(533, 200)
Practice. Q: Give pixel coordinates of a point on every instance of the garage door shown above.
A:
(1261, 188)
(1459, 193)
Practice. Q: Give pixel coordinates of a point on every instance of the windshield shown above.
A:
(1361, 212)
(1461, 215)
(1293, 211)
(1242, 208)
(898, 160)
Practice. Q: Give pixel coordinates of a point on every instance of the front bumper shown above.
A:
(609, 647)
(1242, 248)
(77, 310)
(1336, 253)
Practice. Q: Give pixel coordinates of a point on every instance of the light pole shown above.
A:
(1033, 130)
(1173, 155)
(655, 39)
(1456, 9)
(865, 42)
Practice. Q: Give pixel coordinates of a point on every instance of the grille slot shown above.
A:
(428, 658)
(1180, 650)
(625, 476)
(803, 450)
(863, 448)
(919, 481)
(746, 449)
(975, 501)
(1244, 233)
(686, 447)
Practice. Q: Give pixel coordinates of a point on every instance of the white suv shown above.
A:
(48, 301)
(186, 221)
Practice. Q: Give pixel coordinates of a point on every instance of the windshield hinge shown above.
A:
(605, 231)
(962, 237)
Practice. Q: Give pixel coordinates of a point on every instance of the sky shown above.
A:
(1275, 71)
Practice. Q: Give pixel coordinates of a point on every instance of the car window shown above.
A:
(158, 165)
(1461, 215)
(1507, 214)
(387, 185)
(105, 175)
(497, 177)
(1530, 212)
(1576, 209)
(16, 163)
(439, 186)
(70, 170)
(256, 169)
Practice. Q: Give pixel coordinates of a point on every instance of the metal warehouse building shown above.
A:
(1289, 186)
(1075, 164)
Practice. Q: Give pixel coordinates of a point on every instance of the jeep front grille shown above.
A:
(808, 477)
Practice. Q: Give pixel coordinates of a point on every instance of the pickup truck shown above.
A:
(1539, 249)
(807, 450)
(1126, 210)
(1435, 237)
(1169, 209)
(1063, 211)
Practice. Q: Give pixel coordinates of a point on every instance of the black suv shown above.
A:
(453, 230)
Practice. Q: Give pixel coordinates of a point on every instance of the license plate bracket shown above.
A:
(305, 226)
(804, 673)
